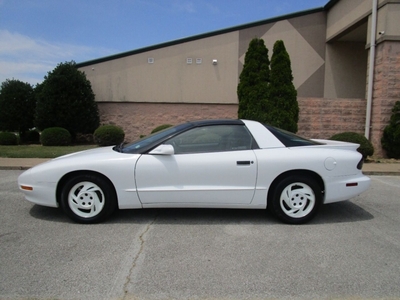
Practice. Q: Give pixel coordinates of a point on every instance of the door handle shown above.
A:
(244, 162)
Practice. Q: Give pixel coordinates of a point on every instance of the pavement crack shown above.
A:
(137, 256)
(7, 233)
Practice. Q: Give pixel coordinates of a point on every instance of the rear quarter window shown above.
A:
(290, 139)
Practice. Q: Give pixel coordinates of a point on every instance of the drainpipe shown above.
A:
(371, 68)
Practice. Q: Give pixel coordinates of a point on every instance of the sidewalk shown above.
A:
(20, 163)
(26, 163)
(381, 169)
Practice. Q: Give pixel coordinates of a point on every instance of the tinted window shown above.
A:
(150, 141)
(290, 139)
(215, 138)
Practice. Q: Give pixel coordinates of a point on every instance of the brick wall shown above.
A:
(141, 118)
(386, 89)
(319, 118)
(322, 118)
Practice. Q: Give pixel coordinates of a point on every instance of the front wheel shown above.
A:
(88, 198)
(295, 200)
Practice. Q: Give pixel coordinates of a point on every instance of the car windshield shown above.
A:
(148, 142)
(290, 139)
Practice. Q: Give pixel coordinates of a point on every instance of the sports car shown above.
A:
(202, 164)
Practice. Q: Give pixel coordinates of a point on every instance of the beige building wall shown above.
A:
(345, 15)
(304, 38)
(183, 73)
(345, 70)
(388, 22)
(305, 58)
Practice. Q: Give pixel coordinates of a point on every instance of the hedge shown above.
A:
(8, 138)
(55, 136)
(366, 148)
(108, 135)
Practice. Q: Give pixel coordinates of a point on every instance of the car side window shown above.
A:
(215, 138)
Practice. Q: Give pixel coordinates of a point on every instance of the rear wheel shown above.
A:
(296, 200)
(88, 198)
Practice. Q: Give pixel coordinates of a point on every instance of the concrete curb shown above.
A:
(380, 173)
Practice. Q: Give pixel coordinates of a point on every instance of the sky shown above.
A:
(37, 35)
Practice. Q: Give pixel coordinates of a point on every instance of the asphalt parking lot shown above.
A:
(351, 250)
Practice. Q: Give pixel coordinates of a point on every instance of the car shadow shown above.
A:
(48, 214)
(341, 212)
(197, 216)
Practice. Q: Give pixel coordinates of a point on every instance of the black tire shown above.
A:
(296, 199)
(88, 199)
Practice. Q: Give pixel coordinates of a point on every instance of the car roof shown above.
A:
(216, 122)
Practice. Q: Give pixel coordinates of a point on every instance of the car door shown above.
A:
(211, 166)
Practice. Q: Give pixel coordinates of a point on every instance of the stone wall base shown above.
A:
(319, 118)
(386, 89)
(138, 119)
(322, 118)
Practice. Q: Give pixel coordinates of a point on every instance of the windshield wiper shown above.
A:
(120, 147)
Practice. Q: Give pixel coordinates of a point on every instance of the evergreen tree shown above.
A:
(283, 109)
(17, 106)
(66, 99)
(391, 134)
(252, 90)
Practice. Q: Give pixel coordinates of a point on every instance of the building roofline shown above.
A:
(330, 4)
(206, 35)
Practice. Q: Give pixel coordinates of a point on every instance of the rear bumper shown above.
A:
(345, 187)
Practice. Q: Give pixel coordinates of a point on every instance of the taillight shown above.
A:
(360, 164)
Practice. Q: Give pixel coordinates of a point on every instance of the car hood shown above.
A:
(91, 153)
(98, 159)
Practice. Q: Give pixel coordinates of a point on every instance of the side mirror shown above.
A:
(163, 149)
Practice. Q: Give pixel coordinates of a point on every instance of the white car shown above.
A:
(202, 164)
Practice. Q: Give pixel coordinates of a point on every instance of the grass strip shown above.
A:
(39, 151)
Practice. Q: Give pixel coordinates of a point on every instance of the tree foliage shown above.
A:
(266, 92)
(283, 109)
(17, 106)
(66, 99)
(252, 90)
(391, 134)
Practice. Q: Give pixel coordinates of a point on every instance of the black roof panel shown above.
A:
(216, 122)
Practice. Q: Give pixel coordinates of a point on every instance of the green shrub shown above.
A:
(30, 137)
(161, 127)
(366, 148)
(55, 136)
(108, 135)
(391, 134)
(8, 138)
